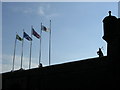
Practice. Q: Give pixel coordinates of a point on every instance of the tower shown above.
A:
(111, 26)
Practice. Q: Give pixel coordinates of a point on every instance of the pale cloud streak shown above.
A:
(46, 11)
(43, 10)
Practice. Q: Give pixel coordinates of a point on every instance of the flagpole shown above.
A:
(14, 54)
(30, 48)
(22, 50)
(50, 45)
(40, 51)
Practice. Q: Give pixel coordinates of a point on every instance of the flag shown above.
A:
(35, 33)
(25, 35)
(18, 37)
(45, 28)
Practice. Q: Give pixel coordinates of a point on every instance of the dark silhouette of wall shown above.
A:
(87, 74)
(92, 74)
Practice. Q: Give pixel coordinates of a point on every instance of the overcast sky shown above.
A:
(76, 30)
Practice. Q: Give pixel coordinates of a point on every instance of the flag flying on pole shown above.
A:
(35, 33)
(18, 37)
(45, 29)
(25, 35)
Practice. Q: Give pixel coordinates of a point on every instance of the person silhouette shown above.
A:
(40, 66)
(100, 53)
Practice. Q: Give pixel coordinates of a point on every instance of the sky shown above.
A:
(119, 9)
(60, 0)
(76, 27)
(0, 37)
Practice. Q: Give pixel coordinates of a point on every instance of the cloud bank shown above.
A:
(43, 10)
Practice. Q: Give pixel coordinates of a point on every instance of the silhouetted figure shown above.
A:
(100, 53)
(109, 13)
(40, 65)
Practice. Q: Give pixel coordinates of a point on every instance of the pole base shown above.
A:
(21, 69)
(40, 65)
